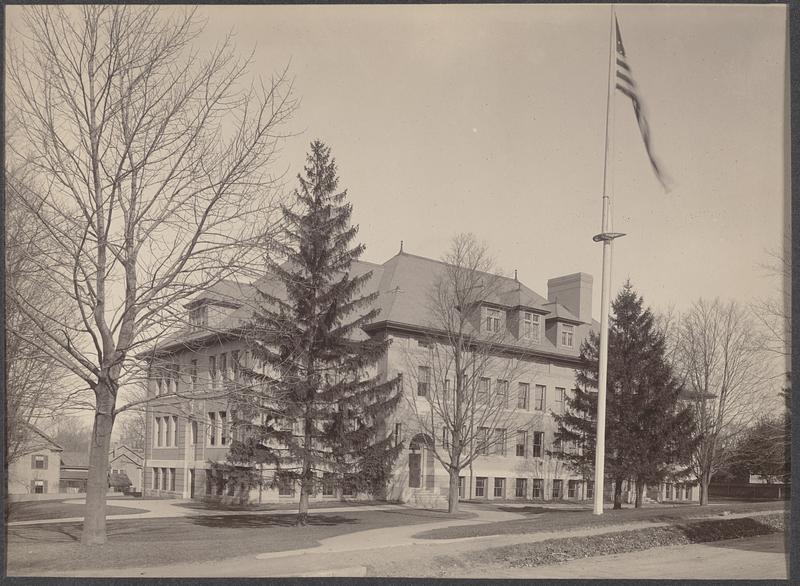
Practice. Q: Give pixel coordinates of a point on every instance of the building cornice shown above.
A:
(513, 350)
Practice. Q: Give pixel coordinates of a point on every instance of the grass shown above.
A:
(37, 510)
(291, 505)
(153, 542)
(543, 520)
(552, 551)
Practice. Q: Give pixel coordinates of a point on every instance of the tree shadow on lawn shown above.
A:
(65, 533)
(537, 510)
(432, 514)
(259, 521)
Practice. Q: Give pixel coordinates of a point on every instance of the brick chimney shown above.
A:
(573, 292)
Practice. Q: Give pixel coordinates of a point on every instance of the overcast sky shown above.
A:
(491, 119)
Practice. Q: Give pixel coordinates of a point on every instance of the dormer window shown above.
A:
(198, 318)
(531, 326)
(493, 319)
(567, 335)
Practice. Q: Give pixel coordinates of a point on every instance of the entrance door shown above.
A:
(191, 483)
(414, 470)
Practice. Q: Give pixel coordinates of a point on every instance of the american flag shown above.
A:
(627, 86)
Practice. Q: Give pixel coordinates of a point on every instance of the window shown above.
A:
(193, 372)
(668, 492)
(590, 489)
(559, 407)
(530, 326)
(212, 367)
(194, 432)
(40, 462)
(172, 479)
(175, 377)
(223, 365)
(572, 489)
(174, 430)
(484, 386)
(461, 484)
(198, 317)
(499, 488)
(423, 381)
(558, 445)
(160, 431)
(480, 486)
(235, 363)
(163, 479)
(398, 433)
(539, 394)
(523, 396)
(167, 430)
(538, 441)
(163, 430)
(445, 439)
(483, 441)
(212, 428)
(522, 442)
(38, 486)
(156, 478)
(521, 488)
(348, 489)
(500, 442)
(688, 492)
(557, 484)
(502, 393)
(223, 428)
(328, 484)
(423, 344)
(493, 319)
(285, 487)
(567, 334)
(538, 488)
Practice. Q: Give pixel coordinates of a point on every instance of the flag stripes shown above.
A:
(627, 86)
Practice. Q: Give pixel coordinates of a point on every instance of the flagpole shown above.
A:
(607, 238)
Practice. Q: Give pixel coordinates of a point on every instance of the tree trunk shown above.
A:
(639, 493)
(302, 511)
(617, 494)
(94, 521)
(704, 490)
(452, 497)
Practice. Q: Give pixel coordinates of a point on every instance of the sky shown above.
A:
(491, 119)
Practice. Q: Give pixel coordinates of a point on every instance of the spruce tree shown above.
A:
(649, 433)
(321, 406)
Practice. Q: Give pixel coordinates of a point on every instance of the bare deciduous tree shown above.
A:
(462, 375)
(36, 388)
(720, 360)
(155, 162)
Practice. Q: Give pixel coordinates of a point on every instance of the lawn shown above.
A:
(210, 505)
(543, 519)
(36, 510)
(134, 542)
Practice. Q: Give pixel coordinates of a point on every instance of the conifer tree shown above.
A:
(322, 410)
(649, 433)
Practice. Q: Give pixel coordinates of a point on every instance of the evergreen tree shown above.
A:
(321, 410)
(649, 433)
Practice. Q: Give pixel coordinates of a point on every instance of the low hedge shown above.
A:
(553, 551)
